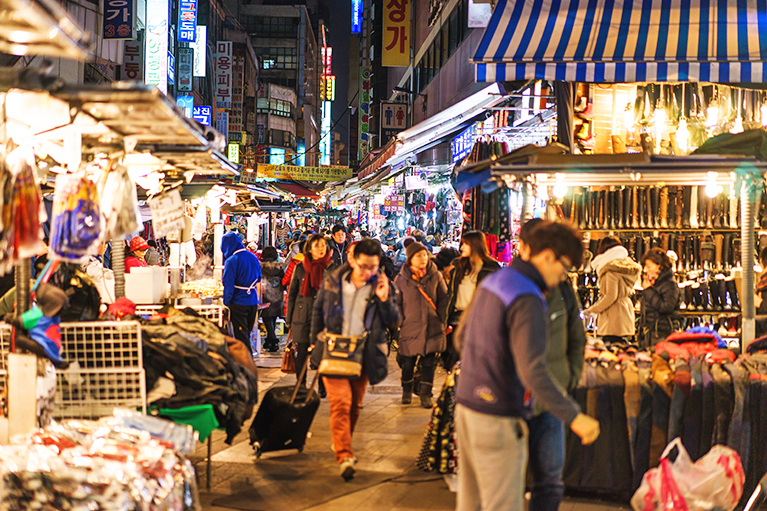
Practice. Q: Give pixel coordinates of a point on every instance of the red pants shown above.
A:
(345, 398)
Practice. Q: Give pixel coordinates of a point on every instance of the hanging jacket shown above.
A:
(422, 331)
(328, 313)
(614, 308)
(271, 288)
(488, 267)
(660, 303)
(296, 261)
(242, 272)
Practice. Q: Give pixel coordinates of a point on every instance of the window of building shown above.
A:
(274, 107)
(278, 58)
(271, 27)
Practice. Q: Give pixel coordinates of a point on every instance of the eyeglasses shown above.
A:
(567, 265)
(370, 268)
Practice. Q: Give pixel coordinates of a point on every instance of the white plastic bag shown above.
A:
(713, 482)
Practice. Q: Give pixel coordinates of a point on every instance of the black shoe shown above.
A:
(323, 394)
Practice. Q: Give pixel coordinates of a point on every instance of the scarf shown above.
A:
(314, 272)
(610, 255)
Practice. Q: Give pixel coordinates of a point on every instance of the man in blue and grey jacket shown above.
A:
(503, 338)
(242, 273)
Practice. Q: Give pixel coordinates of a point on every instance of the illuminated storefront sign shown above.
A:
(200, 57)
(187, 103)
(234, 153)
(119, 19)
(396, 33)
(224, 74)
(202, 114)
(356, 16)
(185, 60)
(157, 44)
(276, 156)
(187, 20)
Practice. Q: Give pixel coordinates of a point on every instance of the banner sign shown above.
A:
(202, 114)
(394, 204)
(224, 75)
(327, 60)
(200, 52)
(171, 68)
(187, 103)
(222, 122)
(185, 64)
(119, 19)
(356, 16)
(238, 79)
(305, 173)
(396, 33)
(233, 153)
(187, 20)
(133, 61)
(462, 144)
(364, 113)
(157, 44)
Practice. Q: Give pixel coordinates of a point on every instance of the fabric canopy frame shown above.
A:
(625, 41)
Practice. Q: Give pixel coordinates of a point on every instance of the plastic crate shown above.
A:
(106, 369)
(214, 313)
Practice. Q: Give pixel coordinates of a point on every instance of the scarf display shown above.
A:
(314, 272)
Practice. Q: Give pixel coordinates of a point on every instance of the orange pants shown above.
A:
(345, 398)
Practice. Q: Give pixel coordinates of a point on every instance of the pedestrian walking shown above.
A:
(617, 275)
(272, 293)
(355, 300)
(422, 334)
(242, 273)
(660, 298)
(338, 244)
(503, 338)
(306, 282)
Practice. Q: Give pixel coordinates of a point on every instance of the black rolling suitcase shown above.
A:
(756, 501)
(284, 417)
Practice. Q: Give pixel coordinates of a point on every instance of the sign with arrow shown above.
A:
(393, 119)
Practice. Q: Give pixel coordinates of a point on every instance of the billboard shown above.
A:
(119, 19)
(133, 61)
(202, 114)
(396, 33)
(187, 103)
(224, 75)
(187, 20)
(199, 47)
(157, 44)
(356, 16)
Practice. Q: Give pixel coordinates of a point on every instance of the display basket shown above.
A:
(214, 313)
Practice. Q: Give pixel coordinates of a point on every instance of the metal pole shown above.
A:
(118, 266)
(565, 113)
(528, 202)
(748, 195)
(22, 274)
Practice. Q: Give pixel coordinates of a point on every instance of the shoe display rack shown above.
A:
(700, 233)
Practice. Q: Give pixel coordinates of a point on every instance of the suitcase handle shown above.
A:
(300, 380)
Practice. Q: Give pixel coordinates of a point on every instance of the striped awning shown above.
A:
(624, 41)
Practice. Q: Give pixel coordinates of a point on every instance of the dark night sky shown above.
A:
(339, 32)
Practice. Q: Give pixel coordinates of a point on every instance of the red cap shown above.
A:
(138, 243)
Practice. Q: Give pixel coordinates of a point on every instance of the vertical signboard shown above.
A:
(187, 20)
(238, 71)
(199, 48)
(157, 44)
(119, 22)
(187, 103)
(133, 61)
(364, 121)
(330, 88)
(185, 64)
(356, 16)
(396, 33)
(171, 68)
(202, 114)
(301, 151)
(233, 153)
(224, 75)
(222, 122)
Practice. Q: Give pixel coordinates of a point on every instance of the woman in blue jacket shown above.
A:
(242, 273)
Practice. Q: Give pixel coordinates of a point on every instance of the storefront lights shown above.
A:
(763, 112)
(712, 188)
(737, 126)
(682, 136)
(560, 189)
(660, 126)
(628, 118)
(712, 115)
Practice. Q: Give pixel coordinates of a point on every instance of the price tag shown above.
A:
(167, 213)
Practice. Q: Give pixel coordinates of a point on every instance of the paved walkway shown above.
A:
(387, 441)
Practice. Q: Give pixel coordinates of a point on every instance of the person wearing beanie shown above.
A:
(138, 248)
(422, 334)
(399, 259)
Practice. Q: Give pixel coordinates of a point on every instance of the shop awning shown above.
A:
(377, 159)
(41, 27)
(625, 41)
(298, 190)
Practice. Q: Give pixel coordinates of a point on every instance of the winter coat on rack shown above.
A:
(422, 331)
(660, 303)
(617, 274)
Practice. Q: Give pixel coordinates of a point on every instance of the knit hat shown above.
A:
(412, 250)
(138, 243)
(445, 257)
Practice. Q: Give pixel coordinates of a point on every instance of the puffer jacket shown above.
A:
(422, 331)
(614, 309)
(328, 313)
(242, 271)
(271, 287)
(300, 306)
(660, 303)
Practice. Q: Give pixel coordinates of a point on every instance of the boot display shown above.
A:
(707, 252)
(654, 207)
(736, 253)
(588, 208)
(610, 210)
(718, 241)
(694, 208)
(686, 206)
(626, 218)
(679, 207)
(734, 223)
(680, 253)
(732, 293)
(727, 251)
(714, 293)
(641, 195)
(619, 211)
(664, 238)
(650, 211)
(717, 212)
(709, 209)
(634, 207)
(723, 292)
(664, 207)
(702, 204)
(695, 252)
(582, 210)
(598, 213)
(705, 296)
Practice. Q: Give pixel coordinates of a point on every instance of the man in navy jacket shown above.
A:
(503, 337)
(242, 273)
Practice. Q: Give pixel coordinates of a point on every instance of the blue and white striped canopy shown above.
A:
(623, 41)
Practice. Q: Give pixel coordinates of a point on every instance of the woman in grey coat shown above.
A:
(422, 334)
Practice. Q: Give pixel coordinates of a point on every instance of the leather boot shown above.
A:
(688, 251)
(609, 219)
(686, 206)
(717, 213)
(734, 220)
(581, 209)
(655, 208)
(694, 208)
(732, 293)
(619, 223)
(709, 205)
(727, 251)
(635, 208)
(407, 392)
(695, 252)
(632, 248)
(664, 241)
(680, 252)
(697, 299)
(678, 207)
(672, 243)
(689, 297)
(648, 207)
(425, 395)
(723, 292)
(615, 208)
(640, 248)
(736, 252)
(713, 286)
(589, 208)
(707, 250)
(642, 195)
(718, 240)
(626, 207)
(664, 207)
(706, 295)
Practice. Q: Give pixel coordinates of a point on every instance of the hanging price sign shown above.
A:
(167, 213)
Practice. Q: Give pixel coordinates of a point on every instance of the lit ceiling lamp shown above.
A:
(738, 126)
(763, 113)
(682, 134)
(712, 112)
(560, 189)
(712, 188)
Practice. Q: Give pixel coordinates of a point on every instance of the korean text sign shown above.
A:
(187, 20)
(119, 22)
(224, 74)
(157, 44)
(396, 33)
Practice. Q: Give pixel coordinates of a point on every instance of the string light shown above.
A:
(712, 112)
(660, 124)
(738, 126)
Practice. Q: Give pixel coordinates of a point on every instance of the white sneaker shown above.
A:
(347, 468)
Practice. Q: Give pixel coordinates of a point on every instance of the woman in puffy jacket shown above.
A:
(272, 291)
(422, 334)
(617, 274)
(660, 297)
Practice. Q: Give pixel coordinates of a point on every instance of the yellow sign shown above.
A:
(330, 88)
(304, 173)
(396, 33)
(234, 153)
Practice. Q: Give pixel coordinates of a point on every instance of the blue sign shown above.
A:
(301, 150)
(171, 68)
(356, 16)
(202, 114)
(119, 19)
(462, 144)
(187, 103)
(187, 20)
(277, 156)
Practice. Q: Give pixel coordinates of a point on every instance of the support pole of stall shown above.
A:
(749, 195)
(218, 256)
(563, 92)
(21, 275)
(528, 202)
(118, 266)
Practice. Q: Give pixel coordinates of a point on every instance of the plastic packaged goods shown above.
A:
(26, 204)
(182, 438)
(101, 465)
(76, 224)
(119, 203)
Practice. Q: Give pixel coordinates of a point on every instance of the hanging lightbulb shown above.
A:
(763, 112)
(560, 189)
(682, 136)
(628, 118)
(737, 126)
(660, 125)
(712, 113)
(713, 189)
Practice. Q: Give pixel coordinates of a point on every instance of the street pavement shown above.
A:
(387, 442)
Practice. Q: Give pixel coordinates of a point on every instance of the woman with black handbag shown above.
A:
(660, 298)
(424, 302)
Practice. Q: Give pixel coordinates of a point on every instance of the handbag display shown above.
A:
(342, 355)
(289, 357)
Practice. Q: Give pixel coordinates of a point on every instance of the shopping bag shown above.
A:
(715, 481)
(289, 357)
(342, 356)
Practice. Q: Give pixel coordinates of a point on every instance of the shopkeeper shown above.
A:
(137, 251)
(242, 273)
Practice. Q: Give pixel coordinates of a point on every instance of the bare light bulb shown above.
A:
(737, 127)
(682, 135)
(560, 190)
(712, 116)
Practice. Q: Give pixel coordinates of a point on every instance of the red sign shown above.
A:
(395, 204)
